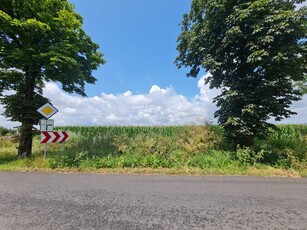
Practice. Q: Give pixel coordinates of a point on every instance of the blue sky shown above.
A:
(138, 39)
(139, 84)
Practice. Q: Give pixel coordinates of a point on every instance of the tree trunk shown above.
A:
(25, 140)
(251, 143)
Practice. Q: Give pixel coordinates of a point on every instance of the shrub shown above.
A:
(199, 139)
(69, 160)
(286, 146)
(5, 131)
(189, 139)
(248, 157)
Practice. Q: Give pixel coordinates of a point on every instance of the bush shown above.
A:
(188, 139)
(69, 160)
(5, 131)
(248, 157)
(199, 139)
(286, 146)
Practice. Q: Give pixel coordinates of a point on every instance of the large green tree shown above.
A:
(41, 41)
(302, 85)
(255, 51)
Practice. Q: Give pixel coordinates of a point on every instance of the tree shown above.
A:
(302, 85)
(41, 41)
(254, 50)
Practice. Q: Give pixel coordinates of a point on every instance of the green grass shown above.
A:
(185, 149)
(286, 146)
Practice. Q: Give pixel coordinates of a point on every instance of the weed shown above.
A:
(177, 147)
(248, 157)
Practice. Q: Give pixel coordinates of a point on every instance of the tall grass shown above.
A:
(286, 146)
(201, 147)
(102, 141)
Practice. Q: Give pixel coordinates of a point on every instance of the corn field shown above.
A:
(163, 146)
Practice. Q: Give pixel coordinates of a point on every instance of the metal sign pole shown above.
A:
(45, 151)
(46, 128)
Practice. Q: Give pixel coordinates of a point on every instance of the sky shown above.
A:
(138, 39)
(139, 84)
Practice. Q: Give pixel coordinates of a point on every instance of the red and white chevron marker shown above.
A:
(51, 137)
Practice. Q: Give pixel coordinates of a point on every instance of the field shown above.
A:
(174, 150)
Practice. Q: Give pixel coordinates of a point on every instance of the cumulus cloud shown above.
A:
(160, 106)
(4, 122)
(300, 107)
(301, 5)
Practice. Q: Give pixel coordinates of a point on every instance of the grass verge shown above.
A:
(179, 150)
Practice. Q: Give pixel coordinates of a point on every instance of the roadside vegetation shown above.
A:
(173, 149)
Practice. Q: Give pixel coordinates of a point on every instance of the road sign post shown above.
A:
(45, 151)
(46, 128)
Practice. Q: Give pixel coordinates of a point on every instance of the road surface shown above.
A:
(90, 201)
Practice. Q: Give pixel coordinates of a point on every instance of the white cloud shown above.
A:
(157, 107)
(302, 4)
(4, 121)
(157, 89)
(300, 107)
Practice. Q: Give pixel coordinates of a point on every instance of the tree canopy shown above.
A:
(255, 51)
(41, 41)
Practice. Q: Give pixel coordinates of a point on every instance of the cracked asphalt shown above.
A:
(93, 201)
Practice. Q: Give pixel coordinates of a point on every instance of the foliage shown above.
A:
(200, 139)
(5, 131)
(248, 157)
(91, 148)
(41, 41)
(285, 146)
(69, 160)
(18, 108)
(302, 85)
(149, 140)
(213, 159)
(254, 51)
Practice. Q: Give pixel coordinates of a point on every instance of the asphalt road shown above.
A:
(89, 201)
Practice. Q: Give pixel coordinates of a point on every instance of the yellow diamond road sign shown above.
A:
(47, 110)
